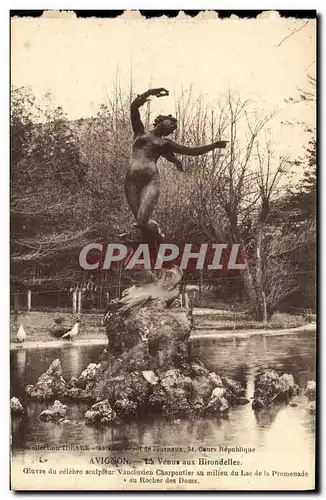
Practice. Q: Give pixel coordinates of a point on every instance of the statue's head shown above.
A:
(165, 125)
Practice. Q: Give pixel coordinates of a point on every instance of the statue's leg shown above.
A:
(148, 199)
(133, 192)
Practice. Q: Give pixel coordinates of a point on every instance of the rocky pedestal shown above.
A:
(146, 367)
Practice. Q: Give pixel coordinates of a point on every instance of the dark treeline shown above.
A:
(67, 190)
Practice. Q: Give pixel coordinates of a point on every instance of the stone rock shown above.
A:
(74, 393)
(176, 403)
(199, 369)
(100, 413)
(71, 384)
(288, 379)
(125, 408)
(87, 375)
(198, 404)
(174, 379)
(156, 399)
(218, 392)
(311, 390)
(202, 386)
(217, 402)
(57, 413)
(271, 388)
(16, 408)
(169, 401)
(50, 385)
(216, 379)
(130, 385)
(269, 375)
(258, 403)
(171, 397)
(233, 386)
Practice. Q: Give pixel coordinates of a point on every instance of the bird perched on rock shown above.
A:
(21, 335)
(72, 334)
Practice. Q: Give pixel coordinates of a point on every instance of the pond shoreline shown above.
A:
(197, 334)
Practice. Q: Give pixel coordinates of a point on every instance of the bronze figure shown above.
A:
(142, 185)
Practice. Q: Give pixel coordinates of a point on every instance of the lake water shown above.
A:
(272, 433)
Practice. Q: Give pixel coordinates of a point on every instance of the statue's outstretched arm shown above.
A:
(171, 146)
(137, 124)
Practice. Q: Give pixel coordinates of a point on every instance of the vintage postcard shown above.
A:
(163, 251)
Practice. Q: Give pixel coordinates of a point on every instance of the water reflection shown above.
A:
(243, 360)
(75, 360)
(266, 416)
(21, 358)
(250, 385)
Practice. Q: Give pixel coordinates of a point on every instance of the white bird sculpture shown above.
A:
(21, 335)
(72, 334)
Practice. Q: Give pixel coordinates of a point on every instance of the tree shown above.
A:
(298, 210)
(47, 176)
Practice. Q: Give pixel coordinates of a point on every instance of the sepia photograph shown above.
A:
(163, 250)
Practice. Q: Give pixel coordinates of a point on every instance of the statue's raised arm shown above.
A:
(174, 147)
(137, 124)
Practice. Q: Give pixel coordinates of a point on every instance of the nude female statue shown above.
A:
(142, 184)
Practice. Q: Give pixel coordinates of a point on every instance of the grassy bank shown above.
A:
(239, 321)
(37, 324)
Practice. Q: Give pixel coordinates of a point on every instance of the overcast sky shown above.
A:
(77, 60)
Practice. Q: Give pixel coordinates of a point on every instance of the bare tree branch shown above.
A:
(292, 33)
